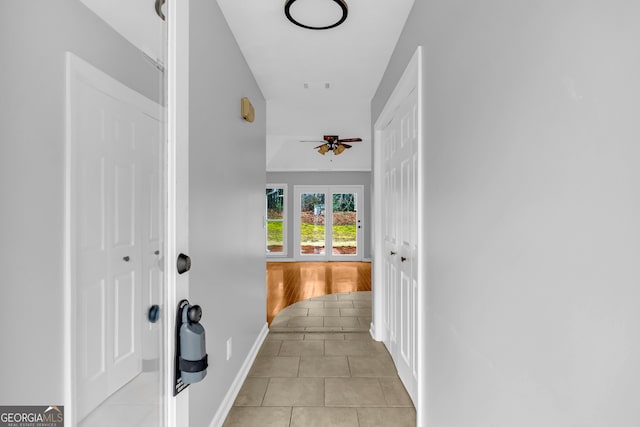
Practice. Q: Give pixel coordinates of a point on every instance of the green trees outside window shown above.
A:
(276, 200)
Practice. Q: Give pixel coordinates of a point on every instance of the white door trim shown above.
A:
(177, 187)
(411, 79)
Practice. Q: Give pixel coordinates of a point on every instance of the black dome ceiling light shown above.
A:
(341, 3)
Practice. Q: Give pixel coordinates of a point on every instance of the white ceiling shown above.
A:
(283, 57)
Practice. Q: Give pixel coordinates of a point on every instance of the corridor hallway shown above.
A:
(319, 366)
(290, 282)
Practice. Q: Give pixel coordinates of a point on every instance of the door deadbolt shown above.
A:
(183, 264)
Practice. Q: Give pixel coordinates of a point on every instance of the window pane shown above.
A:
(312, 232)
(275, 203)
(275, 237)
(344, 226)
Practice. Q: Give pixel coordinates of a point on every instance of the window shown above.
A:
(327, 223)
(276, 219)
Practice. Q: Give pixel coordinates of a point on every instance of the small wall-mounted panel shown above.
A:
(246, 110)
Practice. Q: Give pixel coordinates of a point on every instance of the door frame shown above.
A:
(328, 190)
(411, 79)
(177, 196)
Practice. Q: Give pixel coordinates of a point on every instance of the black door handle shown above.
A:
(183, 263)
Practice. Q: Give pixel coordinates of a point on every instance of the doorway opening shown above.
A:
(328, 224)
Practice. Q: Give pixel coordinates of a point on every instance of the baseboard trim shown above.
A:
(372, 332)
(276, 259)
(234, 389)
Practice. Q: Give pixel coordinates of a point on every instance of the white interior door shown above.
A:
(400, 219)
(328, 223)
(115, 187)
(90, 187)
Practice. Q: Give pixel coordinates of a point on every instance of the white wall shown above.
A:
(533, 194)
(34, 36)
(136, 20)
(226, 207)
(288, 124)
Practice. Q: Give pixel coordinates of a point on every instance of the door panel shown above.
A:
(93, 329)
(124, 209)
(312, 229)
(345, 223)
(124, 314)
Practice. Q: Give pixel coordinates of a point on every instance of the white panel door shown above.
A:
(400, 239)
(116, 234)
(91, 186)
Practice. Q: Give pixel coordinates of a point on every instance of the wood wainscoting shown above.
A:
(290, 282)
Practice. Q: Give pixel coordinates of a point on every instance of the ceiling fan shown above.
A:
(333, 143)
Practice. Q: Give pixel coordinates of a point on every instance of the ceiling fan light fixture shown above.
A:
(339, 149)
(341, 3)
(323, 149)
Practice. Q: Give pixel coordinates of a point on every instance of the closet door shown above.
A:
(400, 221)
(115, 235)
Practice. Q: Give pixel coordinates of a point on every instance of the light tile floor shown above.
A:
(345, 312)
(136, 404)
(315, 372)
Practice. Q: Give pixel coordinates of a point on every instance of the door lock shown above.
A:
(183, 264)
(154, 313)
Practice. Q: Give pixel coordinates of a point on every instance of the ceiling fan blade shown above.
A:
(330, 138)
(345, 145)
(307, 140)
(350, 140)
